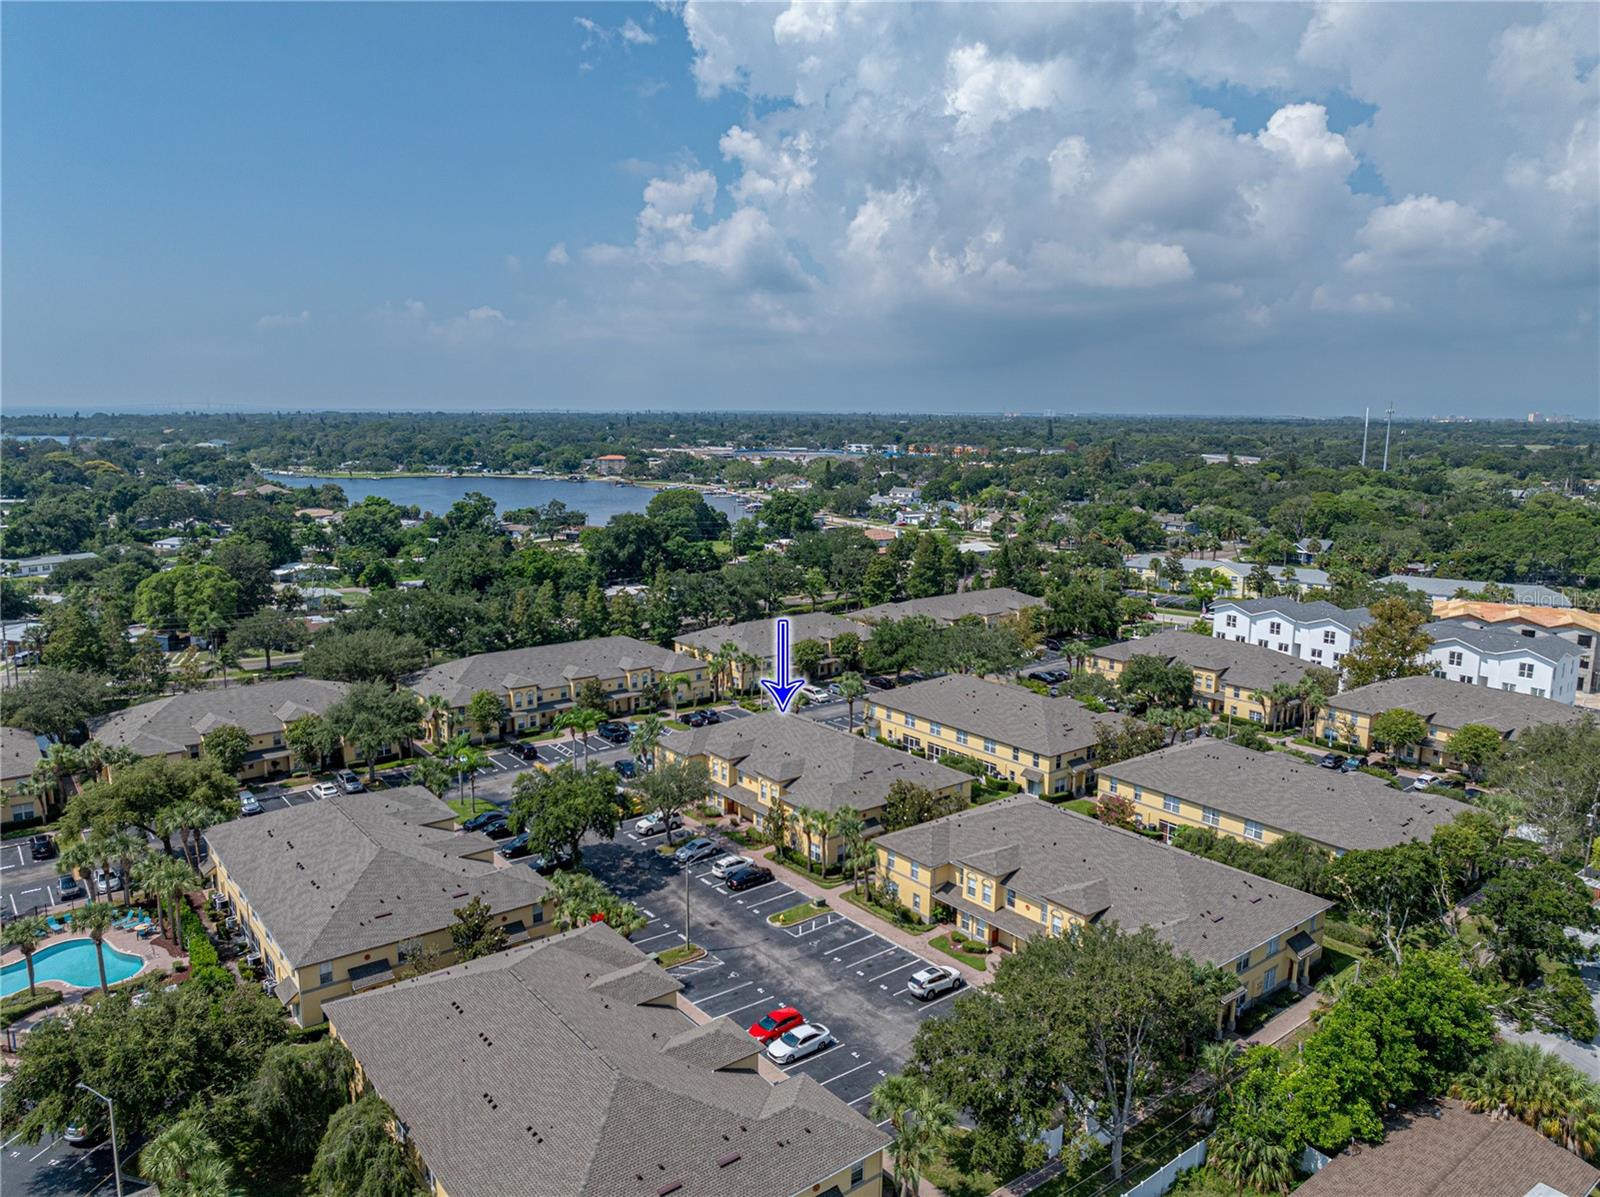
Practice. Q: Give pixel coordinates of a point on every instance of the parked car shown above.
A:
(815, 694)
(835, 690)
(547, 864)
(805, 1040)
(613, 732)
(528, 752)
(516, 846)
(626, 770)
(481, 822)
(349, 782)
(702, 718)
(324, 789)
(747, 877)
(930, 982)
(655, 823)
(84, 1134)
(69, 888)
(1350, 764)
(42, 847)
(106, 880)
(248, 803)
(724, 865)
(776, 1022)
(1331, 760)
(695, 850)
(1424, 780)
(879, 682)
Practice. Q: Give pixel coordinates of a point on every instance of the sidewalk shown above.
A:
(1281, 1026)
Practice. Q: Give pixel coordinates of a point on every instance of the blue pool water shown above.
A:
(72, 961)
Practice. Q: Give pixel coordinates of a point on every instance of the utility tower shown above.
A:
(1366, 422)
(1388, 419)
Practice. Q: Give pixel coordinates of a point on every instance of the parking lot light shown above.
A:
(111, 1116)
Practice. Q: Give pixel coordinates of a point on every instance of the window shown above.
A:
(1243, 964)
(988, 744)
(1253, 830)
(1536, 691)
(961, 737)
(1055, 923)
(1138, 793)
(1453, 657)
(916, 902)
(1209, 817)
(972, 885)
(1525, 669)
(1113, 782)
(1316, 654)
(889, 862)
(1016, 756)
(1169, 804)
(1232, 621)
(325, 973)
(857, 1174)
(1275, 628)
(916, 871)
(911, 720)
(988, 893)
(934, 729)
(1328, 638)
(1011, 897)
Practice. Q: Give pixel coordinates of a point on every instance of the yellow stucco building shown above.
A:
(1231, 680)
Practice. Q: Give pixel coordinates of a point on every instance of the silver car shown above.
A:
(724, 865)
(932, 981)
(807, 1039)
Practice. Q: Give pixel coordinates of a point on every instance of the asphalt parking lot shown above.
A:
(51, 1168)
(28, 884)
(835, 970)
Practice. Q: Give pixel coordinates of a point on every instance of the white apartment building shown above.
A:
(1318, 633)
(1544, 665)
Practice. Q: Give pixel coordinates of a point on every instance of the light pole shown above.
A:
(111, 1112)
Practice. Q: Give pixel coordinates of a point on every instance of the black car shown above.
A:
(702, 718)
(528, 752)
(879, 682)
(626, 770)
(1330, 760)
(614, 733)
(545, 865)
(515, 847)
(42, 847)
(747, 877)
(481, 822)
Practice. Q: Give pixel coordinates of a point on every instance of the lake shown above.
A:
(599, 500)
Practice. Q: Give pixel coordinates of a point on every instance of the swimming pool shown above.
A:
(72, 961)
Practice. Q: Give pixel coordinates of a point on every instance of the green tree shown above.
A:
(1551, 774)
(1399, 729)
(475, 933)
(852, 689)
(75, 641)
(673, 788)
(372, 717)
(312, 740)
(582, 898)
(1522, 1081)
(96, 918)
(269, 630)
(24, 934)
(185, 1160)
(1392, 645)
(907, 804)
(360, 1157)
(364, 655)
(920, 1122)
(294, 1092)
(1152, 681)
(1477, 746)
(808, 656)
(228, 745)
(1528, 908)
(579, 722)
(558, 807)
(647, 740)
(486, 712)
(1393, 890)
(54, 702)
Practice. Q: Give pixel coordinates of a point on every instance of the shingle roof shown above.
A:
(513, 1075)
(1212, 912)
(1501, 641)
(1452, 704)
(1342, 810)
(19, 753)
(1013, 714)
(1495, 613)
(818, 766)
(947, 608)
(358, 871)
(1237, 664)
(1443, 1150)
(755, 636)
(176, 724)
(1522, 592)
(1296, 611)
(549, 665)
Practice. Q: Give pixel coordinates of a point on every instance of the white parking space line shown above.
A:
(788, 893)
(832, 1047)
(42, 1150)
(900, 969)
(648, 911)
(841, 1075)
(771, 1003)
(937, 1000)
(836, 951)
(711, 997)
(663, 935)
(874, 956)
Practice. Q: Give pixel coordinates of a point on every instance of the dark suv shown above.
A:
(613, 732)
(42, 847)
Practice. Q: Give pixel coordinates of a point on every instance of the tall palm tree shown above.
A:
(437, 708)
(810, 826)
(1283, 695)
(472, 759)
(1522, 1081)
(646, 739)
(779, 819)
(851, 827)
(748, 665)
(722, 667)
(185, 1161)
(24, 934)
(579, 722)
(96, 918)
(124, 847)
(851, 689)
(920, 1122)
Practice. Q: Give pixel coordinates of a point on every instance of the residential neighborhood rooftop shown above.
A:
(1495, 641)
(1001, 711)
(1444, 588)
(994, 603)
(755, 636)
(1343, 810)
(1212, 912)
(819, 767)
(164, 726)
(1237, 664)
(19, 753)
(548, 665)
(1299, 611)
(1452, 704)
(1494, 613)
(567, 1067)
(358, 871)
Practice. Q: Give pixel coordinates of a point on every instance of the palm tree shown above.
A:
(24, 934)
(1282, 695)
(810, 825)
(749, 665)
(437, 709)
(852, 829)
(1218, 1059)
(1250, 1159)
(646, 739)
(185, 1161)
(1521, 1081)
(433, 775)
(921, 1125)
(722, 666)
(779, 819)
(124, 847)
(167, 878)
(579, 722)
(469, 761)
(851, 688)
(96, 918)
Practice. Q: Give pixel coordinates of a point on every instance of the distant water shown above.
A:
(598, 500)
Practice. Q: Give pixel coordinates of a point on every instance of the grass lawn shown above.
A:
(465, 808)
(681, 954)
(971, 959)
(1084, 806)
(1338, 958)
(795, 914)
(913, 928)
(815, 878)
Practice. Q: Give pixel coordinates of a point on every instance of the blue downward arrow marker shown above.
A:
(782, 690)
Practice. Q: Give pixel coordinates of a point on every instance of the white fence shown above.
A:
(1159, 1182)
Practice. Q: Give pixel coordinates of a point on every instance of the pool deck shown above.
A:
(154, 952)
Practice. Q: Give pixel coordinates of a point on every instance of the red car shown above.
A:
(770, 1026)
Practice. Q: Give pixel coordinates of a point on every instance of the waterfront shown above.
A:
(435, 493)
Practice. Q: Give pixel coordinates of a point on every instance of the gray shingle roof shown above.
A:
(947, 608)
(1445, 1149)
(1245, 665)
(819, 767)
(360, 871)
(1342, 810)
(176, 724)
(549, 665)
(1302, 612)
(1498, 641)
(1451, 704)
(513, 1075)
(1522, 592)
(755, 636)
(1212, 912)
(1009, 713)
(19, 753)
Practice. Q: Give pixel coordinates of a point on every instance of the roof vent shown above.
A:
(672, 1188)
(731, 1158)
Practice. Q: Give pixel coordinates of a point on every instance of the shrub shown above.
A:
(20, 1006)
(1348, 933)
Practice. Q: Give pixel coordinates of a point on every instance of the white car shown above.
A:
(724, 865)
(654, 824)
(248, 804)
(807, 1039)
(1424, 780)
(816, 694)
(930, 982)
(324, 789)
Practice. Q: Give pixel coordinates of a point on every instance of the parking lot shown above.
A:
(52, 1168)
(834, 969)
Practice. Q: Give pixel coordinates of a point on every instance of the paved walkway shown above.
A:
(1280, 1026)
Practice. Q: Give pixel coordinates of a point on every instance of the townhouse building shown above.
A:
(1260, 797)
(1046, 745)
(577, 1066)
(176, 726)
(1233, 576)
(757, 640)
(339, 895)
(1021, 867)
(1445, 707)
(538, 684)
(1530, 593)
(1231, 679)
(39, 567)
(1318, 633)
(992, 606)
(20, 754)
(1543, 666)
(1580, 628)
(772, 760)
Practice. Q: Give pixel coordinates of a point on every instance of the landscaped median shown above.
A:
(896, 916)
(798, 914)
(682, 954)
(956, 946)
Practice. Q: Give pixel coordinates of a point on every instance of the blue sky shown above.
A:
(1267, 208)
